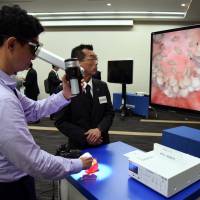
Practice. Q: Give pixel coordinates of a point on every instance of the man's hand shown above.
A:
(93, 136)
(66, 88)
(87, 162)
(98, 142)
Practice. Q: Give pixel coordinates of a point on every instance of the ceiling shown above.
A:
(148, 10)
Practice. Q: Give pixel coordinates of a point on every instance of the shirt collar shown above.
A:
(7, 80)
(88, 83)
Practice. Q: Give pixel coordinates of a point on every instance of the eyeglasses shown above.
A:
(34, 47)
(92, 58)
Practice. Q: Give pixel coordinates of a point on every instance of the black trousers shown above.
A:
(23, 189)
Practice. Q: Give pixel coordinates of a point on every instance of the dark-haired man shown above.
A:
(31, 85)
(54, 80)
(54, 83)
(20, 157)
(87, 119)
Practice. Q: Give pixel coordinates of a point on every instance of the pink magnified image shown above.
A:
(176, 69)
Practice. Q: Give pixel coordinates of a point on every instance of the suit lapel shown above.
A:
(96, 91)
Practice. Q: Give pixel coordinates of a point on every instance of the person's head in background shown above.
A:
(87, 59)
(18, 39)
(55, 68)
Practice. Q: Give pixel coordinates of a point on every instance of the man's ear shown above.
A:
(11, 43)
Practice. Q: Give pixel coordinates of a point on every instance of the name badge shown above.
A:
(102, 100)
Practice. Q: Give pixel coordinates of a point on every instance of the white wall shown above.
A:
(109, 43)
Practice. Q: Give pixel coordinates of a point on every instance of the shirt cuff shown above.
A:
(76, 165)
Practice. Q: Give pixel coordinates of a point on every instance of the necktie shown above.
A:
(89, 97)
(88, 92)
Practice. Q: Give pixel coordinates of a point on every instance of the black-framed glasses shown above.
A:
(34, 47)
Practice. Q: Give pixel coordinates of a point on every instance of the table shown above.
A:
(113, 182)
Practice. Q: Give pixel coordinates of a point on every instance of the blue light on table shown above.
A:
(103, 173)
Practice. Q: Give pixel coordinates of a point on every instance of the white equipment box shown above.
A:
(165, 170)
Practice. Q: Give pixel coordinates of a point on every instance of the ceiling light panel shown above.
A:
(87, 23)
(99, 5)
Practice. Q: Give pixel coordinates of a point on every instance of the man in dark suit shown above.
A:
(54, 83)
(31, 85)
(87, 119)
(54, 80)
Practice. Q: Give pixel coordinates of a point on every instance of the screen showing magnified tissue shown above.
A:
(175, 68)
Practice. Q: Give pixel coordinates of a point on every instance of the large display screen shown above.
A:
(175, 68)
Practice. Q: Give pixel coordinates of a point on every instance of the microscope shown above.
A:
(71, 66)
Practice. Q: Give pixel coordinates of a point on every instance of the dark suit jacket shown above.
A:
(54, 82)
(74, 120)
(97, 75)
(31, 84)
